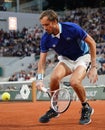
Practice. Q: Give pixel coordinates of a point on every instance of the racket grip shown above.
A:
(44, 89)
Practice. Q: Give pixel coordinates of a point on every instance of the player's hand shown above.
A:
(39, 85)
(92, 75)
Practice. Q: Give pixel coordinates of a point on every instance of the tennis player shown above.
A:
(76, 50)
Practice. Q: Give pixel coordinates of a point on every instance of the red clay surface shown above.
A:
(25, 115)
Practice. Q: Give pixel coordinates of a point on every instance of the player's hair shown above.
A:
(52, 15)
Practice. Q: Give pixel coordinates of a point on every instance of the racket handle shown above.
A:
(44, 89)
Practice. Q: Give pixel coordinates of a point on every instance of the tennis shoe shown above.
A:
(49, 114)
(85, 115)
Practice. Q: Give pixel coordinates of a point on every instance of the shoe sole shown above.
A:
(42, 121)
(57, 116)
(92, 111)
(90, 119)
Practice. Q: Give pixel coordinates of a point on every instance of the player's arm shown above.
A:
(42, 63)
(92, 44)
(93, 70)
(41, 70)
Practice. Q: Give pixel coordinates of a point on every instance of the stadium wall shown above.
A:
(23, 20)
(11, 65)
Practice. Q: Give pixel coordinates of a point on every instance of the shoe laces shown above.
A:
(84, 113)
(51, 112)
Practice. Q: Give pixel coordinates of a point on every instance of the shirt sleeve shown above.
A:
(80, 33)
(43, 47)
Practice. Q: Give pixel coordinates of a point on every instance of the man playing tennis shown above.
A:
(76, 50)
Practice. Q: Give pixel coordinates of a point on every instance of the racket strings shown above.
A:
(61, 100)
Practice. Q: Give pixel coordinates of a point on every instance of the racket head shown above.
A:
(61, 100)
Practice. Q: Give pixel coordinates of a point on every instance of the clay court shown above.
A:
(25, 115)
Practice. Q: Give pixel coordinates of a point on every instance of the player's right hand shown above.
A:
(92, 75)
(39, 85)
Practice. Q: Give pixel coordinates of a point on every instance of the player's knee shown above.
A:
(74, 83)
(54, 79)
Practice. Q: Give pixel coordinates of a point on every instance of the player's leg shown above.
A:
(60, 71)
(76, 83)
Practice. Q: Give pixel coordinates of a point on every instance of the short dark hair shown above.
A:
(51, 14)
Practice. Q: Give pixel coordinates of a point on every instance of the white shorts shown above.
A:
(83, 61)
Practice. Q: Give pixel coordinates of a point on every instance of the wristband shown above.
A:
(40, 76)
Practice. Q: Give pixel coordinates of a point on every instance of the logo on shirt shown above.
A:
(53, 45)
(68, 38)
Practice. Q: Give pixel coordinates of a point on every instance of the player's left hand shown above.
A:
(92, 75)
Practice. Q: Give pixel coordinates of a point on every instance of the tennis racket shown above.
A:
(60, 99)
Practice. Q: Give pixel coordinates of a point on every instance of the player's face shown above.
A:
(49, 26)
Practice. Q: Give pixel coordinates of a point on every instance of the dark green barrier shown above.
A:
(92, 92)
(19, 91)
(17, 96)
